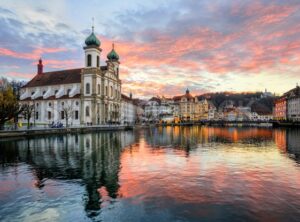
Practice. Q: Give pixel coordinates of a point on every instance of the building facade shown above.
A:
(90, 95)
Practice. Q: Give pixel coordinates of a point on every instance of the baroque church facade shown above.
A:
(88, 95)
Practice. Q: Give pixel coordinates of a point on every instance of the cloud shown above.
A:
(204, 45)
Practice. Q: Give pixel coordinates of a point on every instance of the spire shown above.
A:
(187, 91)
(93, 25)
(40, 66)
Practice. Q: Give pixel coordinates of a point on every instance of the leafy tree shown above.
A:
(27, 111)
(9, 105)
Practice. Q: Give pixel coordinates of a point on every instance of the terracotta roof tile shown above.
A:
(55, 78)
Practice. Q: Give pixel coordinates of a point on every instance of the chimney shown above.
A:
(40, 67)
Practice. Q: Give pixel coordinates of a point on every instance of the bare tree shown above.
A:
(68, 112)
(27, 111)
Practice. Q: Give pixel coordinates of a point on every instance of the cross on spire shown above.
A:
(93, 21)
(113, 45)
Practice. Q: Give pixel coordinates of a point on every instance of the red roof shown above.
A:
(56, 78)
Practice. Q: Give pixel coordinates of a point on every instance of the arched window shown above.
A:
(111, 91)
(89, 60)
(87, 88)
(87, 111)
(98, 88)
(106, 90)
(98, 61)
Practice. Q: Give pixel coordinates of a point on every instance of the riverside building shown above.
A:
(91, 95)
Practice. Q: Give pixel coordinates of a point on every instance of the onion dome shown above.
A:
(92, 40)
(113, 55)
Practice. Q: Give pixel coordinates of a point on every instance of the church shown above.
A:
(86, 96)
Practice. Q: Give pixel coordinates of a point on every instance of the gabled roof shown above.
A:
(68, 76)
(55, 78)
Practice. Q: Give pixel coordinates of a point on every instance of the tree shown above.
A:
(9, 105)
(27, 111)
(68, 111)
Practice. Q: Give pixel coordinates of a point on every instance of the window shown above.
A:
(49, 104)
(37, 105)
(62, 115)
(98, 88)
(55, 91)
(62, 103)
(87, 111)
(98, 61)
(36, 115)
(89, 60)
(106, 90)
(44, 92)
(76, 114)
(111, 91)
(32, 93)
(69, 90)
(77, 103)
(87, 88)
(49, 115)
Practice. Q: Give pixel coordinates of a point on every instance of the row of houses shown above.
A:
(287, 107)
(186, 108)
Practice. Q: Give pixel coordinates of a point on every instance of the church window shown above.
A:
(98, 61)
(36, 115)
(77, 103)
(76, 114)
(49, 104)
(87, 88)
(106, 90)
(87, 111)
(37, 105)
(32, 93)
(69, 90)
(89, 60)
(55, 91)
(49, 115)
(62, 115)
(98, 88)
(44, 92)
(62, 103)
(111, 91)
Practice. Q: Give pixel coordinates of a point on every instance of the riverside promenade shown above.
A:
(36, 131)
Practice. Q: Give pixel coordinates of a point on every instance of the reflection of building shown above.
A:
(91, 94)
(280, 139)
(293, 142)
(92, 160)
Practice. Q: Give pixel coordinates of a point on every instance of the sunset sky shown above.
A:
(165, 46)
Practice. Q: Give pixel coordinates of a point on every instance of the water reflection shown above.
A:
(92, 160)
(165, 173)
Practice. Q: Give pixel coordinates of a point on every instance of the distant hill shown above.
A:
(257, 101)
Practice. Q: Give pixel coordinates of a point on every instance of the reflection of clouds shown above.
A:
(93, 159)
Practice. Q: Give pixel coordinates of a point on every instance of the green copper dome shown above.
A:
(92, 40)
(113, 55)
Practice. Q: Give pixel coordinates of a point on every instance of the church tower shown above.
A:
(91, 81)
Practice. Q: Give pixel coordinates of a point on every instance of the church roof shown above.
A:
(57, 77)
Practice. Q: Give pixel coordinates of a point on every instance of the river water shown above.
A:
(158, 174)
